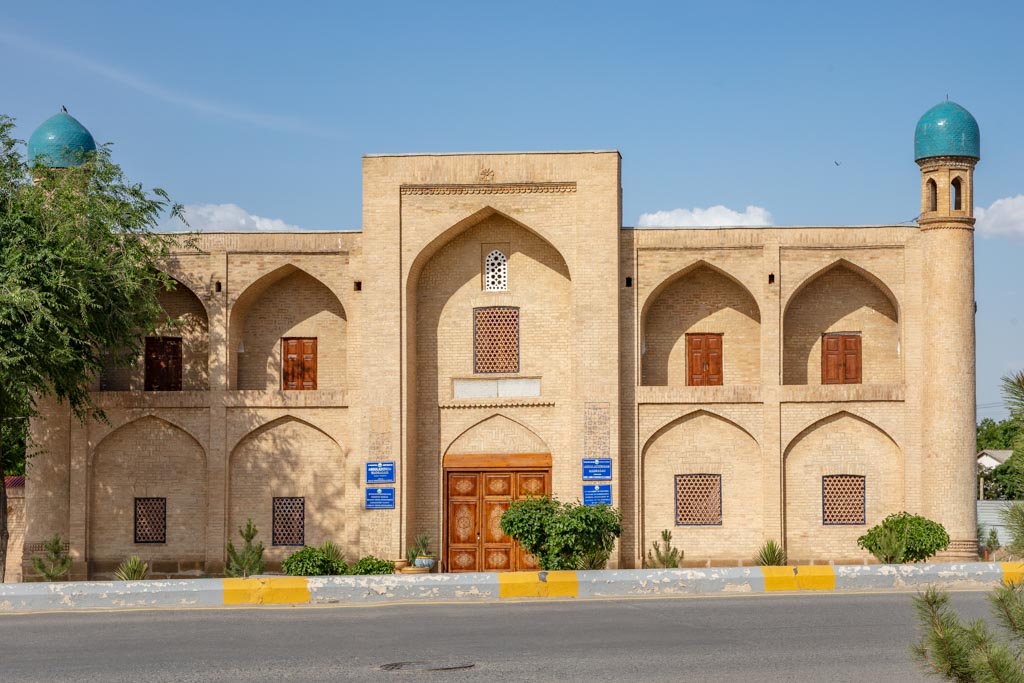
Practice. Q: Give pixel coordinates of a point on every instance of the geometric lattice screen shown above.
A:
(842, 499)
(496, 339)
(698, 499)
(289, 521)
(150, 520)
(495, 272)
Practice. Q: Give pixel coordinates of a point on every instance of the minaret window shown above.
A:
(955, 195)
(495, 272)
(933, 196)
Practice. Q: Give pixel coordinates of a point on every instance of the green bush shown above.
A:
(771, 554)
(371, 565)
(903, 537)
(666, 557)
(563, 535)
(132, 569)
(312, 561)
(247, 560)
(56, 563)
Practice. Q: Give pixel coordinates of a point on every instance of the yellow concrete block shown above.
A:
(816, 578)
(779, 578)
(1013, 572)
(560, 584)
(285, 590)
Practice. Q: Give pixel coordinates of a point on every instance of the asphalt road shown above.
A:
(805, 637)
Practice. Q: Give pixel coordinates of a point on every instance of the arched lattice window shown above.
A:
(495, 272)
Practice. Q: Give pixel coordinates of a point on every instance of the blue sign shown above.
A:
(380, 472)
(597, 469)
(596, 494)
(380, 499)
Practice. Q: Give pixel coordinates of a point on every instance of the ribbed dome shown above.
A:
(947, 129)
(60, 141)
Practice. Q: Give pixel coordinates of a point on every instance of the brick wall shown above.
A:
(16, 528)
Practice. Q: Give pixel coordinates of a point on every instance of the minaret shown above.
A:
(947, 145)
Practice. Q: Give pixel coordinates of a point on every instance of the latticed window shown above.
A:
(495, 272)
(289, 521)
(842, 499)
(698, 499)
(150, 520)
(496, 339)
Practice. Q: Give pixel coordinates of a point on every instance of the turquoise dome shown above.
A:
(947, 129)
(61, 141)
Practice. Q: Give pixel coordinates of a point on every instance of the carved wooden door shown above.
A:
(840, 358)
(476, 502)
(704, 359)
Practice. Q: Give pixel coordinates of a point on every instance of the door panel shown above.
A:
(840, 358)
(851, 359)
(704, 365)
(695, 359)
(713, 360)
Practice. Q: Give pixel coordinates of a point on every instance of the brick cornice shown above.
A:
(490, 188)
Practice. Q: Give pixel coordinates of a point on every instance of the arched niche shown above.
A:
(702, 443)
(700, 299)
(287, 302)
(840, 444)
(496, 434)
(842, 297)
(185, 316)
(289, 458)
(147, 458)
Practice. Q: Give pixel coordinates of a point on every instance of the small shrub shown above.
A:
(311, 561)
(992, 543)
(562, 535)
(371, 565)
(422, 545)
(667, 557)
(332, 552)
(55, 564)
(1013, 518)
(920, 537)
(249, 560)
(771, 554)
(132, 569)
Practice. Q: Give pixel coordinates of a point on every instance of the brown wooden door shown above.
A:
(298, 363)
(840, 358)
(704, 360)
(163, 364)
(476, 502)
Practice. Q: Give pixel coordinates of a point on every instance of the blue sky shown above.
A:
(256, 115)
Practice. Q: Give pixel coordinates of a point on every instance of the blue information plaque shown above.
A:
(381, 498)
(595, 494)
(380, 472)
(597, 469)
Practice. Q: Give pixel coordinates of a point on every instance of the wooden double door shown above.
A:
(475, 502)
(704, 360)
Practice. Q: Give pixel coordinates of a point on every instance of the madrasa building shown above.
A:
(494, 332)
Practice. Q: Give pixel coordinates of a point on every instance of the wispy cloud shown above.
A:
(155, 90)
(713, 216)
(1003, 218)
(225, 218)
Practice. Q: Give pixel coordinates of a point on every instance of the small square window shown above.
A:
(150, 520)
(289, 521)
(843, 500)
(698, 499)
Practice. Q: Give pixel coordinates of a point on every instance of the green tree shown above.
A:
(998, 436)
(79, 281)
(969, 652)
(249, 560)
(563, 535)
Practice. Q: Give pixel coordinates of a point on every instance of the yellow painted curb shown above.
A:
(562, 584)
(285, 590)
(1013, 572)
(800, 578)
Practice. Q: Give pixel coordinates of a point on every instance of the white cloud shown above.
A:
(226, 218)
(710, 217)
(1003, 218)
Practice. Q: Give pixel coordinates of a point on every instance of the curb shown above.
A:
(479, 587)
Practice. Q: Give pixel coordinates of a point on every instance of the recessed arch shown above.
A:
(286, 302)
(139, 418)
(842, 298)
(281, 419)
(700, 299)
(506, 435)
(932, 195)
(832, 417)
(679, 419)
(956, 194)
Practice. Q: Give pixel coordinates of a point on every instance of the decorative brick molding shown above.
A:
(490, 188)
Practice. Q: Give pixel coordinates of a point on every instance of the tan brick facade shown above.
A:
(603, 313)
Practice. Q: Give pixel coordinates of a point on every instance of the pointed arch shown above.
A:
(290, 302)
(853, 267)
(186, 288)
(932, 195)
(497, 433)
(134, 420)
(276, 422)
(833, 417)
(687, 416)
(701, 298)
